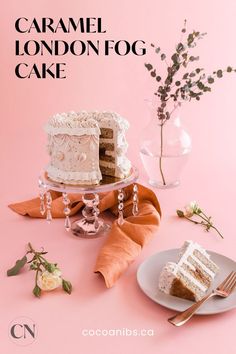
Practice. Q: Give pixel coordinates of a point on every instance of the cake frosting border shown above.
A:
(70, 177)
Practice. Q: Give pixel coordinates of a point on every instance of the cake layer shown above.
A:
(106, 133)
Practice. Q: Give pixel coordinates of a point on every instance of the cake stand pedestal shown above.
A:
(90, 225)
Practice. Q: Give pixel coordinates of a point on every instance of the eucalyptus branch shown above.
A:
(181, 59)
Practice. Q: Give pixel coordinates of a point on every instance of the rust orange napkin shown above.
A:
(124, 242)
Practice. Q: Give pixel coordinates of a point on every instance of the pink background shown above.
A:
(120, 84)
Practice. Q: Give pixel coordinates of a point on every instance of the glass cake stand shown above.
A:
(90, 225)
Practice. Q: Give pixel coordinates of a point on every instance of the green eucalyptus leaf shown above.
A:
(148, 66)
(175, 58)
(163, 56)
(180, 47)
(210, 80)
(17, 267)
(153, 73)
(200, 85)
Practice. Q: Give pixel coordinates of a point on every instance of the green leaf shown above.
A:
(210, 80)
(175, 58)
(148, 66)
(34, 266)
(200, 85)
(50, 267)
(163, 56)
(153, 73)
(17, 267)
(190, 39)
(180, 47)
(180, 213)
(37, 291)
(67, 286)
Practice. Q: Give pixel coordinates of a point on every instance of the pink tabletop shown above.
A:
(208, 178)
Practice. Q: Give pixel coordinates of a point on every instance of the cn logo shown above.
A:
(23, 331)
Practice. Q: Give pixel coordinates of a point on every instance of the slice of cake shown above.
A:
(84, 145)
(113, 144)
(191, 277)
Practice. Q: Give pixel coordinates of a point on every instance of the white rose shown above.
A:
(49, 281)
(191, 208)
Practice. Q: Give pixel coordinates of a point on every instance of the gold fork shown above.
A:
(223, 290)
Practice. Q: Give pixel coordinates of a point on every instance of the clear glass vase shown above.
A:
(164, 149)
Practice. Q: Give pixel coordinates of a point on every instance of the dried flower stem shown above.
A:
(193, 209)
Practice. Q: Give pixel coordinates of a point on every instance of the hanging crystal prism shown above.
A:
(135, 200)
(120, 207)
(66, 202)
(48, 206)
(42, 191)
(67, 223)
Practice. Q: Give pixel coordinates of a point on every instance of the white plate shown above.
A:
(148, 275)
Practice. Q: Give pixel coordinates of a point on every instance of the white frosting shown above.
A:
(75, 131)
(187, 250)
(73, 177)
(122, 166)
(167, 277)
(72, 124)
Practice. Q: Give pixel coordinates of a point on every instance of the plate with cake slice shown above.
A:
(175, 278)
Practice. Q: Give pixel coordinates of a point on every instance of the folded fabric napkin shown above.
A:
(124, 242)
